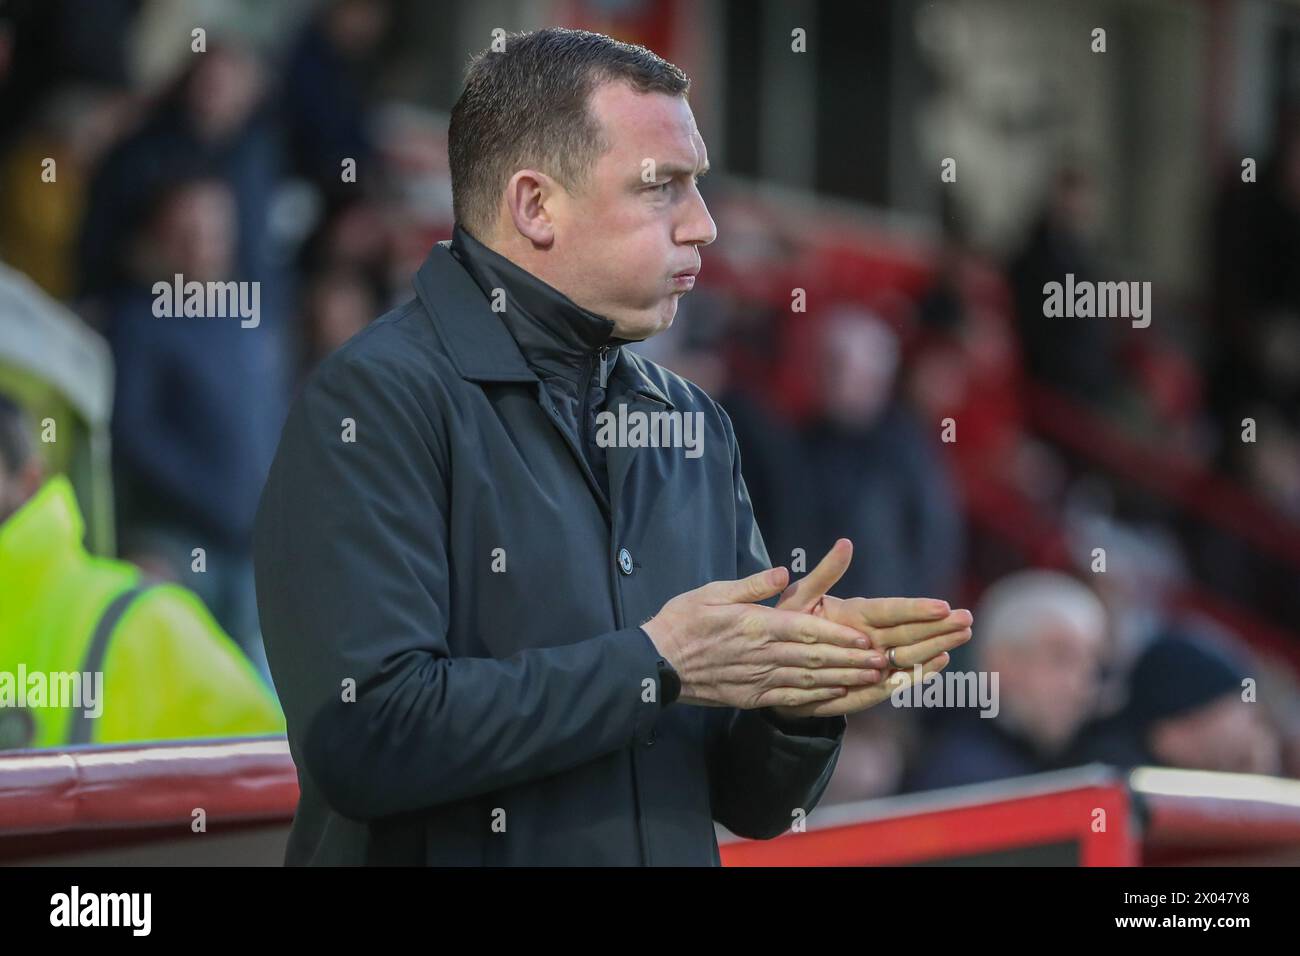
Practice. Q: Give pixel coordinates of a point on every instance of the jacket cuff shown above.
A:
(645, 658)
(829, 727)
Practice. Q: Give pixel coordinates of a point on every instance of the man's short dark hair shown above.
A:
(16, 448)
(527, 106)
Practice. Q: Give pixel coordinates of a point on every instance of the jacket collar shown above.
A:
(558, 338)
(557, 333)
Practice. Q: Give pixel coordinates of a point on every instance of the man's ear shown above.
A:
(529, 193)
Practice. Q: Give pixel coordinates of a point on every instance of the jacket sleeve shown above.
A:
(211, 689)
(763, 769)
(353, 583)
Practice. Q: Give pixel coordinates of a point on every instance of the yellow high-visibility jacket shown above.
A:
(167, 670)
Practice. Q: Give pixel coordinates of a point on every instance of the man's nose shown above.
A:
(697, 228)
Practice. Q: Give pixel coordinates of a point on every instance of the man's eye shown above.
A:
(661, 187)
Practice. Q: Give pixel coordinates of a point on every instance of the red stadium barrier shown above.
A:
(1091, 816)
(130, 805)
(88, 804)
(1080, 818)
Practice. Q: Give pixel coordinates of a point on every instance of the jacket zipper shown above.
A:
(602, 354)
(597, 363)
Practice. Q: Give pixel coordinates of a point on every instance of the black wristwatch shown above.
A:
(670, 685)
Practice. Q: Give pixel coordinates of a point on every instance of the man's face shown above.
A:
(1051, 680)
(10, 497)
(16, 487)
(859, 362)
(1226, 735)
(197, 233)
(623, 241)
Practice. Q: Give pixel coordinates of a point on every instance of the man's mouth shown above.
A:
(685, 280)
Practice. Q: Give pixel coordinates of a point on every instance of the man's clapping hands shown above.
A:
(813, 655)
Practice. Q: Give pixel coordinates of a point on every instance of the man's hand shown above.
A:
(921, 631)
(731, 652)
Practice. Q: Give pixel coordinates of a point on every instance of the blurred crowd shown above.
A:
(905, 392)
(914, 398)
(918, 407)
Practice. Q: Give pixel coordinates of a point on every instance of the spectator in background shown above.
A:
(1043, 633)
(44, 45)
(168, 670)
(1271, 463)
(880, 479)
(1077, 355)
(198, 406)
(965, 365)
(209, 123)
(337, 307)
(354, 238)
(1255, 304)
(41, 206)
(326, 98)
(1143, 571)
(1186, 709)
(1253, 354)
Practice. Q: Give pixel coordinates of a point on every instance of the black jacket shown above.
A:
(452, 633)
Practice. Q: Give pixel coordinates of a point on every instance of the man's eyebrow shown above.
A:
(677, 169)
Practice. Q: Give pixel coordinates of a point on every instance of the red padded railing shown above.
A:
(1058, 808)
(106, 788)
(66, 801)
(1108, 818)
